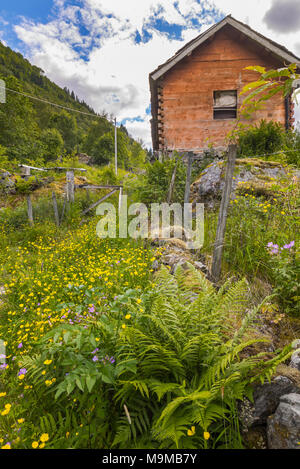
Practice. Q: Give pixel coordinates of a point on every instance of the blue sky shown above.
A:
(105, 49)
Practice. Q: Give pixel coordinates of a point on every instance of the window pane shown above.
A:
(225, 99)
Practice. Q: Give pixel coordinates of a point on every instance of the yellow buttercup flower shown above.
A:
(7, 446)
(123, 326)
(2, 394)
(21, 420)
(35, 444)
(192, 431)
(206, 435)
(44, 437)
(128, 316)
(47, 362)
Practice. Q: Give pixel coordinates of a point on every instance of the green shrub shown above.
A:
(265, 139)
(154, 185)
(261, 139)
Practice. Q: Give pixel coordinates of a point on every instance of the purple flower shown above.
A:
(22, 371)
(95, 358)
(20, 345)
(289, 246)
(92, 309)
(3, 366)
(95, 351)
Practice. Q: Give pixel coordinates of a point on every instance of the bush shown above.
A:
(261, 139)
(155, 184)
(265, 139)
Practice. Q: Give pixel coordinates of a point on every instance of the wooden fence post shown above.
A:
(70, 185)
(63, 209)
(188, 178)
(221, 228)
(120, 199)
(56, 216)
(172, 184)
(27, 173)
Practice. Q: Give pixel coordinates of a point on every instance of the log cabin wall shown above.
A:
(186, 92)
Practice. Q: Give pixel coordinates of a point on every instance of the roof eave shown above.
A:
(281, 54)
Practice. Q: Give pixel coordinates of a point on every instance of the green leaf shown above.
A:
(79, 384)
(90, 382)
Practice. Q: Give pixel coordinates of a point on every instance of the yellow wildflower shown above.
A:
(7, 446)
(192, 431)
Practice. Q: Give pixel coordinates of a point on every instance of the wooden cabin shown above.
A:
(195, 95)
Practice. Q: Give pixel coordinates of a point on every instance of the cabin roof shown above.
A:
(282, 53)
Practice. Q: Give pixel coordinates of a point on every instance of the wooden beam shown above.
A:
(61, 168)
(94, 186)
(26, 167)
(98, 202)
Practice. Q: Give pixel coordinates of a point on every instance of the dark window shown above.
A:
(225, 104)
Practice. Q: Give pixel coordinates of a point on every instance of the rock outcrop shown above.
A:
(250, 174)
(284, 426)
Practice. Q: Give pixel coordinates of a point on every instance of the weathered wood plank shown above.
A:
(98, 202)
(94, 186)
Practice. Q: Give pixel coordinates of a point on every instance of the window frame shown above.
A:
(231, 110)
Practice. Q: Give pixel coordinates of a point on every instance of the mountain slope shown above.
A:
(31, 129)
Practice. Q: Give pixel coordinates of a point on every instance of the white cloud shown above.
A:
(106, 67)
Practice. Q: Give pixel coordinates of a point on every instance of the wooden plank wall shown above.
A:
(186, 92)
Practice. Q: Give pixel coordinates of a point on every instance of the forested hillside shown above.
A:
(34, 130)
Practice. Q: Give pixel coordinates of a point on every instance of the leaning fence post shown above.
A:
(220, 235)
(172, 184)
